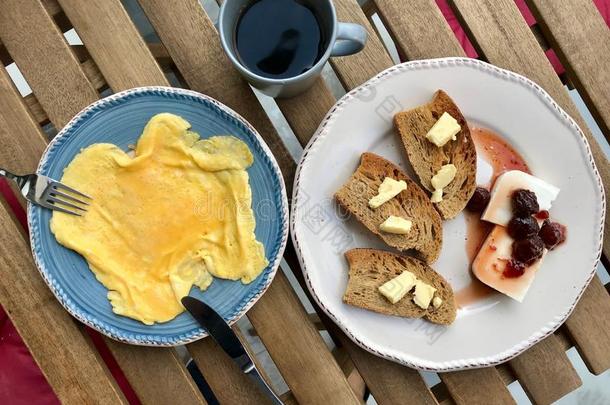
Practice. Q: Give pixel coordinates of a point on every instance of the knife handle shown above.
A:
(251, 371)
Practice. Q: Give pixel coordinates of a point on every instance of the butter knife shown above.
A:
(222, 333)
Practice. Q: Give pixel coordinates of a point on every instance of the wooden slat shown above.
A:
(410, 24)
(46, 60)
(20, 136)
(288, 399)
(278, 317)
(298, 352)
(72, 370)
(356, 69)
(201, 60)
(589, 327)
(42, 45)
(305, 112)
(580, 37)
(506, 41)
(228, 382)
(114, 43)
(349, 370)
(543, 374)
(389, 382)
(480, 386)
(157, 375)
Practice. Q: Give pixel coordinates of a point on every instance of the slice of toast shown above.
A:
(371, 268)
(426, 158)
(425, 237)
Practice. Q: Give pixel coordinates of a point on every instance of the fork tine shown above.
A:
(65, 196)
(58, 208)
(54, 201)
(57, 185)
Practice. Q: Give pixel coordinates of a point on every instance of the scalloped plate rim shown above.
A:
(393, 354)
(154, 340)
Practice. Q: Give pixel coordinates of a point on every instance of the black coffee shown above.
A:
(279, 38)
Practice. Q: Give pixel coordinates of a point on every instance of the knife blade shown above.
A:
(222, 333)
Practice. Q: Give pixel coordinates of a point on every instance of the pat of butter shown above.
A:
(437, 302)
(443, 130)
(499, 210)
(423, 294)
(397, 287)
(437, 195)
(396, 225)
(388, 189)
(444, 176)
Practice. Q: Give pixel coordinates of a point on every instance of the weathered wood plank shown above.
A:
(157, 375)
(410, 24)
(26, 29)
(480, 386)
(354, 70)
(581, 38)
(21, 138)
(114, 43)
(229, 383)
(589, 327)
(506, 41)
(305, 112)
(72, 370)
(545, 372)
(389, 382)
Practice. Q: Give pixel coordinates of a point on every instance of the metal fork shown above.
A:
(48, 193)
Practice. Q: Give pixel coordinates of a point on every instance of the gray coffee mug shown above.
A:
(343, 39)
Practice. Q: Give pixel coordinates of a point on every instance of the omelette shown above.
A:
(176, 214)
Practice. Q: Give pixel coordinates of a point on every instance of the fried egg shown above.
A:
(176, 214)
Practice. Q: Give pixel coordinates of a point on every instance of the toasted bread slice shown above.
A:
(371, 268)
(426, 158)
(426, 234)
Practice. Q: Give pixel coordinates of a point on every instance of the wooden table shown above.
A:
(66, 78)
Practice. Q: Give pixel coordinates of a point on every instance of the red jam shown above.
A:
(513, 269)
(544, 214)
(497, 152)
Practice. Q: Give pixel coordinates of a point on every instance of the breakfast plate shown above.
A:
(490, 328)
(120, 119)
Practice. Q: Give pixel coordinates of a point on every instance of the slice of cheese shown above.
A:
(388, 189)
(499, 210)
(443, 130)
(423, 294)
(396, 225)
(492, 259)
(397, 287)
(437, 302)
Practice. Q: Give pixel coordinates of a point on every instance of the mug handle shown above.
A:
(351, 39)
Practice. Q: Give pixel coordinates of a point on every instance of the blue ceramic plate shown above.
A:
(120, 119)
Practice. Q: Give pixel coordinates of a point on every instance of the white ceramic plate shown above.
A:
(497, 328)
